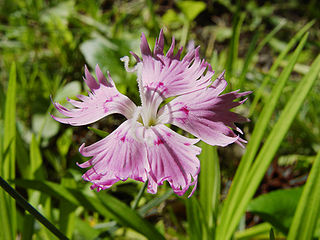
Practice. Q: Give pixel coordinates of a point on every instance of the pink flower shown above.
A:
(143, 147)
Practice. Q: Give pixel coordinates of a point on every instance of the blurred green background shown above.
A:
(51, 41)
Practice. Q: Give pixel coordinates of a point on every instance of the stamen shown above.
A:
(126, 60)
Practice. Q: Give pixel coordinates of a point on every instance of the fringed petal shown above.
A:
(205, 114)
(169, 76)
(119, 156)
(103, 100)
(172, 158)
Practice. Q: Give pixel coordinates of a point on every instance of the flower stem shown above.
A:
(27, 206)
(138, 197)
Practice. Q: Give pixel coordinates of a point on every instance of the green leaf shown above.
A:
(273, 141)
(84, 231)
(271, 234)
(209, 183)
(102, 203)
(64, 142)
(239, 183)
(127, 217)
(254, 50)
(171, 17)
(249, 56)
(7, 159)
(107, 54)
(36, 163)
(2, 101)
(99, 132)
(255, 231)
(69, 90)
(44, 125)
(195, 219)
(27, 230)
(308, 210)
(276, 64)
(191, 9)
(277, 207)
(234, 45)
(233, 211)
(154, 202)
(67, 210)
(23, 163)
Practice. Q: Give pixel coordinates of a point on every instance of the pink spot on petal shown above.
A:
(158, 142)
(187, 144)
(109, 99)
(162, 87)
(185, 110)
(123, 139)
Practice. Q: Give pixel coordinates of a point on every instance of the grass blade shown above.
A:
(209, 183)
(250, 54)
(7, 161)
(154, 202)
(67, 210)
(254, 50)
(276, 64)
(272, 144)
(308, 209)
(255, 231)
(102, 203)
(195, 221)
(270, 35)
(24, 204)
(238, 185)
(127, 217)
(234, 44)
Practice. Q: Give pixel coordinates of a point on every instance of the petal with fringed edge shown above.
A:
(103, 100)
(119, 156)
(169, 76)
(206, 114)
(172, 157)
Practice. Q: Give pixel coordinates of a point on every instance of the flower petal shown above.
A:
(119, 156)
(169, 76)
(172, 157)
(103, 100)
(205, 114)
(172, 77)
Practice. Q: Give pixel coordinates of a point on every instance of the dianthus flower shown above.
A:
(143, 148)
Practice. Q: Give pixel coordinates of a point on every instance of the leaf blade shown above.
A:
(308, 207)
(273, 142)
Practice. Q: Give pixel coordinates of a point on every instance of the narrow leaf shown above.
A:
(276, 64)
(308, 210)
(271, 234)
(128, 217)
(272, 144)
(255, 231)
(67, 210)
(98, 132)
(105, 204)
(234, 44)
(239, 183)
(154, 202)
(7, 159)
(209, 183)
(194, 218)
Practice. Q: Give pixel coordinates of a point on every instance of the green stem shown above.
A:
(27, 206)
(138, 197)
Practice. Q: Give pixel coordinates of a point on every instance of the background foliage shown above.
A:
(268, 47)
